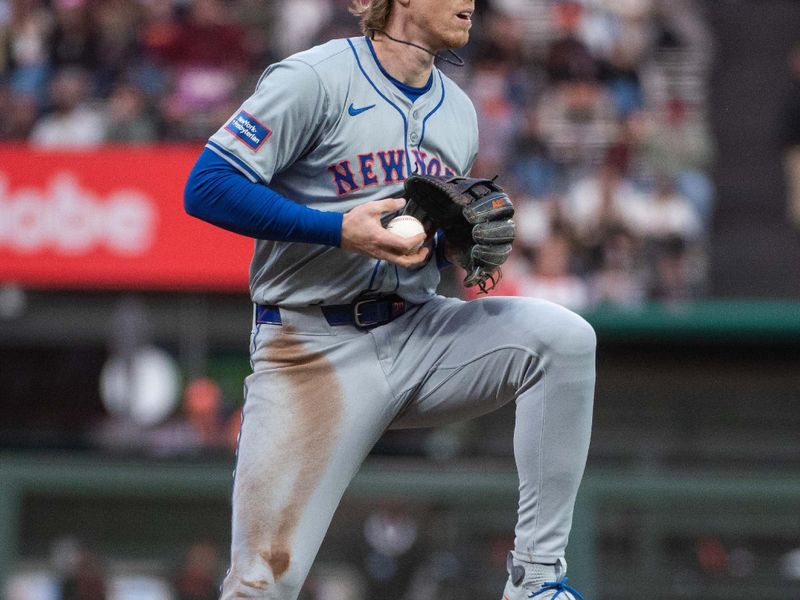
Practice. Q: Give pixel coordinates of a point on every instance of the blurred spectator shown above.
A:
(504, 31)
(159, 29)
(18, 114)
(790, 564)
(712, 557)
(128, 116)
(533, 20)
(203, 406)
(201, 424)
(208, 58)
(435, 576)
(300, 22)
(550, 276)
(533, 220)
(390, 532)
(74, 41)
(568, 57)
(676, 274)
(82, 573)
(118, 23)
(633, 33)
(497, 116)
(577, 122)
(621, 77)
(664, 213)
(199, 576)
(620, 278)
(790, 138)
(207, 37)
(25, 52)
(533, 168)
(680, 25)
(73, 122)
(603, 200)
(260, 19)
(677, 142)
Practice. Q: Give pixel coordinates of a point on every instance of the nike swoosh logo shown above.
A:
(353, 111)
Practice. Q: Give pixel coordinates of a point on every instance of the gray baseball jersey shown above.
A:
(329, 129)
(326, 128)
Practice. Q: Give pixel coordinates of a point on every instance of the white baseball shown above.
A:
(406, 226)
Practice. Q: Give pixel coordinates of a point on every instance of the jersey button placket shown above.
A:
(414, 134)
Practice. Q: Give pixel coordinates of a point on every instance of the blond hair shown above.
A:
(373, 14)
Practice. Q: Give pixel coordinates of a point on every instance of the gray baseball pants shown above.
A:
(320, 396)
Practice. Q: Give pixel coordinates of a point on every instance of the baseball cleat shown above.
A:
(536, 580)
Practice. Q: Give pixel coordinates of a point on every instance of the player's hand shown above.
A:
(362, 232)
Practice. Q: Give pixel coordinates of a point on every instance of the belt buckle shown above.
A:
(364, 299)
(357, 308)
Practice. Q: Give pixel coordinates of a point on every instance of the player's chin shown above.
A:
(456, 39)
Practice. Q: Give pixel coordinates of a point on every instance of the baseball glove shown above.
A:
(475, 215)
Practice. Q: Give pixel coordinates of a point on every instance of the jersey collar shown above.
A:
(391, 86)
(411, 90)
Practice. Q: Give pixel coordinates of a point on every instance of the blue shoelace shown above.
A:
(558, 587)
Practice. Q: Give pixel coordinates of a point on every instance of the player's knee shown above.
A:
(561, 331)
(577, 336)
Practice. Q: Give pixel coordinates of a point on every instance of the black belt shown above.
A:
(365, 312)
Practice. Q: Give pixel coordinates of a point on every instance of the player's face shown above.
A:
(443, 23)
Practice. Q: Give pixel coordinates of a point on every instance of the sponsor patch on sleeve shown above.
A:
(249, 130)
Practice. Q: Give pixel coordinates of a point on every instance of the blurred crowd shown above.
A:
(594, 115)
(388, 549)
(76, 571)
(592, 112)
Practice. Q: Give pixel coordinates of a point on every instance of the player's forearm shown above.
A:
(218, 193)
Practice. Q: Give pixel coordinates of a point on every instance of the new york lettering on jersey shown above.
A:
(385, 167)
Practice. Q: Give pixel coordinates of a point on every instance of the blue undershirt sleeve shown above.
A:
(442, 262)
(217, 192)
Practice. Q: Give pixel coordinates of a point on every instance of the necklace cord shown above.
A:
(458, 62)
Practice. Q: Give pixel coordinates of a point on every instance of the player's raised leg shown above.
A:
(531, 351)
(303, 438)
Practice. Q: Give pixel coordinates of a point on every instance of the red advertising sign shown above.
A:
(110, 218)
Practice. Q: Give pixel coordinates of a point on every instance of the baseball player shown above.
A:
(349, 336)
